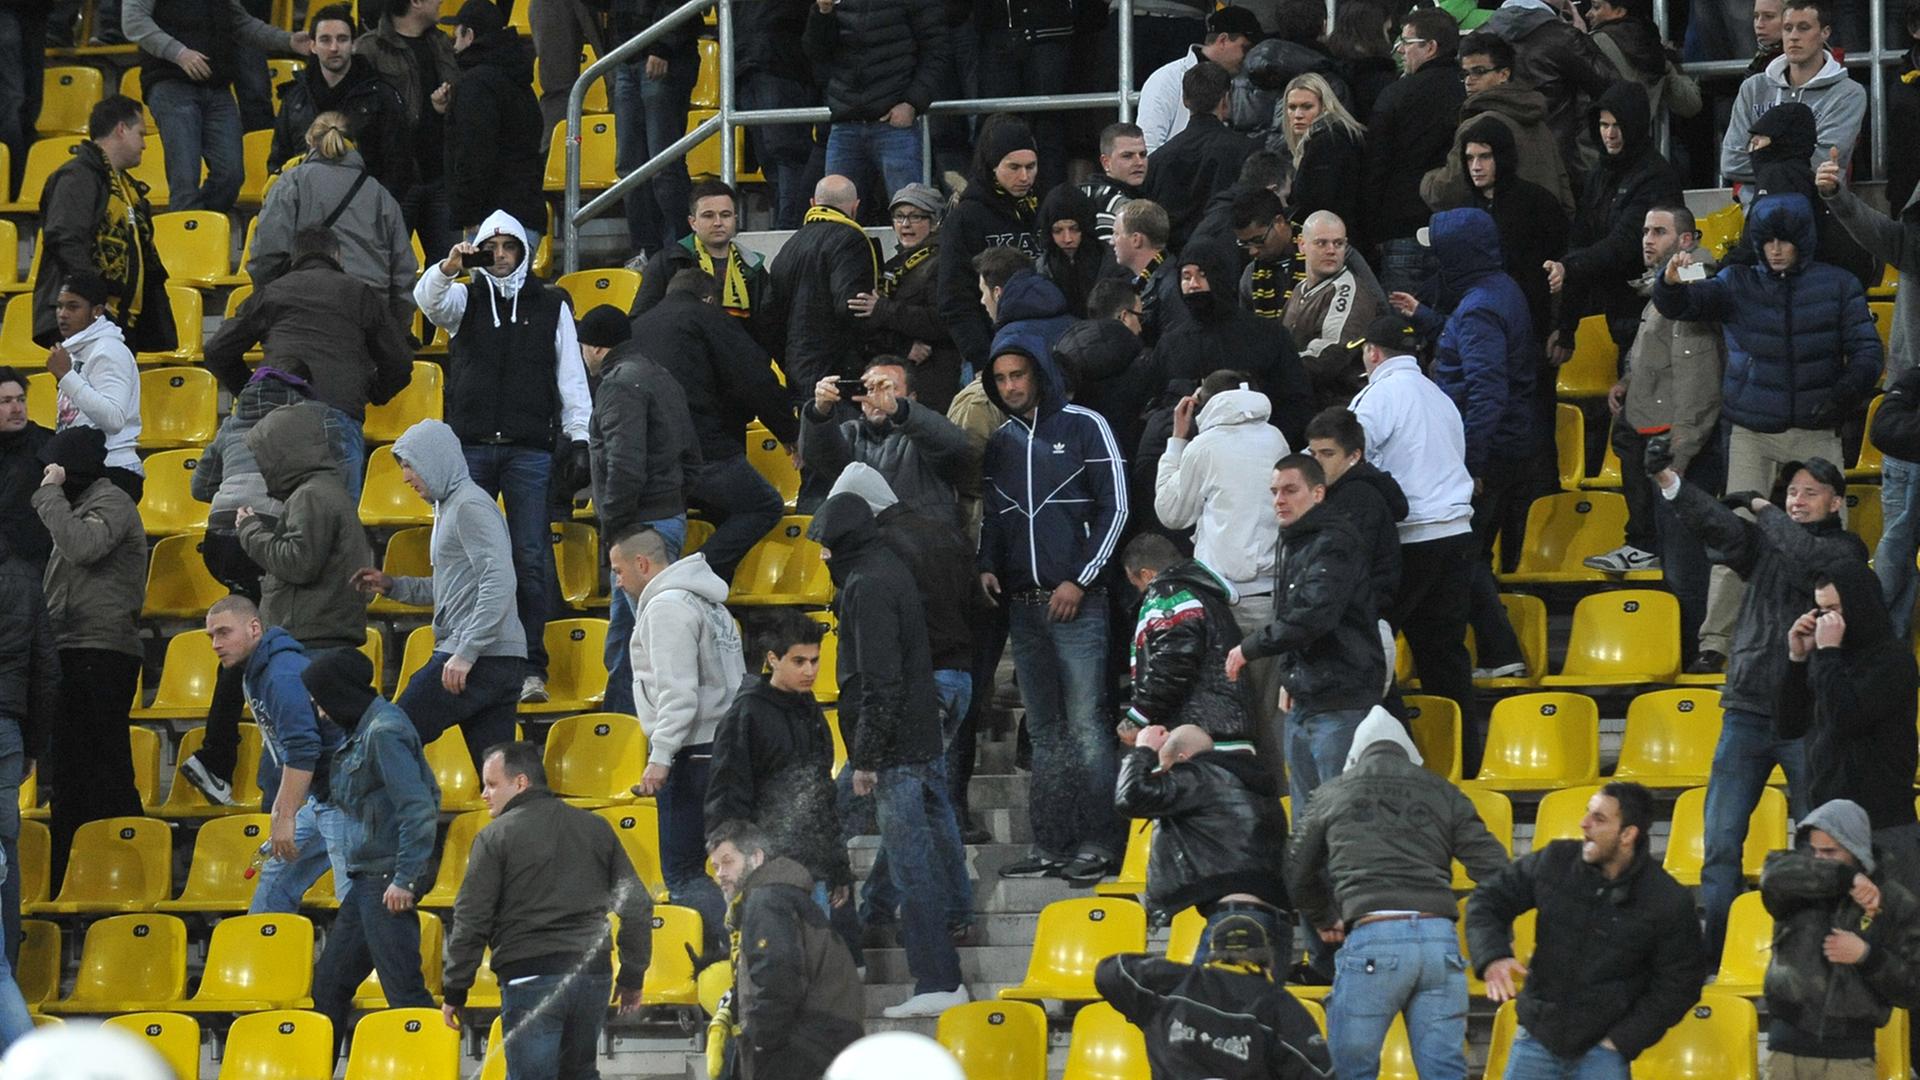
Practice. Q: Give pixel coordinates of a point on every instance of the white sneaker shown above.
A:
(533, 690)
(932, 1004)
(1515, 670)
(217, 791)
(1621, 560)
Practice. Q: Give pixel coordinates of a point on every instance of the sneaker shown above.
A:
(1034, 866)
(217, 791)
(1709, 662)
(1621, 560)
(533, 690)
(931, 1004)
(1515, 670)
(1088, 869)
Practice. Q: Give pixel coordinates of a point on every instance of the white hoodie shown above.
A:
(1380, 726)
(103, 391)
(1218, 484)
(687, 660)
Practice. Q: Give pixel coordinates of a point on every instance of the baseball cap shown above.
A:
(1820, 469)
(920, 197)
(1243, 939)
(1233, 19)
(1392, 332)
(480, 16)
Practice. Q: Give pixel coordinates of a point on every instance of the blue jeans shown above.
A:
(199, 121)
(1387, 968)
(741, 505)
(1407, 266)
(649, 114)
(618, 658)
(550, 1024)
(1317, 745)
(366, 937)
(520, 475)
(1746, 753)
(683, 840)
(1063, 676)
(880, 896)
(1899, 539)
(15, 1022)
(857, 150)
(22, 66)
(13, 767)
(925, 859)
(351, 444)
(783, 151)
(324, 833)
(484, 711)
(954, 687)
(1530, 1061)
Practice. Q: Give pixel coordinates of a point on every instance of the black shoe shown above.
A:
(1087, 870)
(1033, 866)
(1708, 662)
(974, 834)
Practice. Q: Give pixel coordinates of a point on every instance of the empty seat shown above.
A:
(370, 995)
(11, 280)
(1435, 725)
(1183, 936)
(1072, 936)
(421, 399)
(186, 679)
(255, 962)
(1867, 465)
(409, 554)
(637, 825)
(43, 393)
(128, 960)
(185, 801)
(36, 852)
(179, 586)
(1564, 529)
(677, 936)
(453, 858)
(588, 289)
(386, 501)
(1595, 364)
(784, 568)
(704, 158)
(1863, 513)
(38, 970)
(144, 743)
(1718, 1039)
(576, 666)
(770, 460)
(454, 771)
(280, 1044)
(576, 562)
(174, 1037)
(167, 505)
(188, 325)
(223, 849)
(1687, 842)
(403, 1044)
(1558, 816)
(1749, 947)
(1570, 445)
(594, 759)
(1106, 1046)
(1670, 738)
(198, 246)
(68, 94)
(43, 157)
(596, 155)
(116, 864)
(418, 650)
(255, 148)
(178, 407)
(1536, 742)
(1132, 878)
(1496, 813)
(16, 334)
(1620, 638)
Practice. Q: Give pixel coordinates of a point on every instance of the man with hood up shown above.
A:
(473, 679)
(891, 714)
(99, 382)
(1783, 139)
(1487, 69)
(494, 131)
(517, 397)
(1804, 72)
(1072, 256)
(1555, 58)
(95, 582)
(996, 210)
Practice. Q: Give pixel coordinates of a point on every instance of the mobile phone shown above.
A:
(849, 388)
(476, 260)
(1693, 272)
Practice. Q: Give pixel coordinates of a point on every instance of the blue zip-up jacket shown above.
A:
(1033, 313)
(381, 776)
(1055, 488)
(1487, 359)
(293, 734)
(1801, 348)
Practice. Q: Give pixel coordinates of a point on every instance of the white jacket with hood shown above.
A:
(1839, 108)
(1217, 483)
(103, 391)
(687, 660)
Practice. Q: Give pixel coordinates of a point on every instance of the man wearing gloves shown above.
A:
(99, 382)
(517, 397)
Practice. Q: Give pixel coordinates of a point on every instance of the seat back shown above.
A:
(432, 945)
(1074, 935)
(179, 585)
(144, 742)
(588, 289)
(1435, 725)
(1496, 813)
(258, 958)
(282, 1044)
(1542, 740)
(16, 333)
(174, 1037)
(43, 391)
(198, 242)
(1558, 816)
(418, 650)
(68, 95)
(1626, 634)
(38, 970)
(1570, 445)
(188, 673)
(1595, 364)
(595, 755)
(493, 1065)
(119, 860)
(638, 827)
(1133, 862)
(670, 977)
(995, 1040)
(576, 561)
(1749, 946)
(185, 800)
(403, 1044)
(1893, 1048)
(1863, 513)
(1670, 737)
(1506, 1023)
(131, 958)
(36, 858)
(826, 686)
(223, 851)
(783, 567)
(167, 504)
(1687, 841)
(423, 398)
(770, 460)
(576, 662)
(1565, 528)
(43, 157)
(454, 854)
(596, 156)
(1106, 1046)
(453, 768)
(1870, 460)
(179, 406)
(1717, 1040)
(386, 500)
(1183, 938)
(255, 148)
(188, 326)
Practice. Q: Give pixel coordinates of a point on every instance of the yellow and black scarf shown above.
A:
(890, 280)
(1272, 283)
(1144, 279)
(828, 213)
(118, 242)
(734, 297)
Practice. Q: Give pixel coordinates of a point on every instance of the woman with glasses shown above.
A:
(906, 308)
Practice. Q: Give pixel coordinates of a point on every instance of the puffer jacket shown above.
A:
(1373, 502)
(1324, 630)
(1781, 168)
(798, 998)
(875, 54)
(1218, 827)
(1524, 113)
(919, 451)
(376, 246)
(1216, 484)
(381, 774)
(228, 477)
(773, 764)
(1802, 351)
(1619, 191)
(821, 267)
(96, 577)
(29, 662)
(1179, 654)
(1672, 375)
(311, 552)
(1557, 60)
(642, 447)
(1810, 898)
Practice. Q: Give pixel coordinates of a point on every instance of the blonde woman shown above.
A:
(331, 186)
(1327, 145)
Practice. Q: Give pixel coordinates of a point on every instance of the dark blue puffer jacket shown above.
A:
(1801, 348)
(1033, 312)
(1486, 358)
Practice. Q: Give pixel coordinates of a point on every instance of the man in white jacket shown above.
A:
(687, 667)
(99, 381)
(1804, 72)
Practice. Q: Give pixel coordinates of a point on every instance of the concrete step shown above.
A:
(978, 963)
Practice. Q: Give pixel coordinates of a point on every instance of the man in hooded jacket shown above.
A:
(1072, 256)
(1786, 136)
(1804, 72)
(1495, 94)
(1556, 58)
(996, 210)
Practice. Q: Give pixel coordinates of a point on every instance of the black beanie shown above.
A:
(1002, 135)
(341, 682)
(605, 326)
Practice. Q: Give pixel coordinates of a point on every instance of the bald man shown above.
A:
(1327, 313)
(826, 264)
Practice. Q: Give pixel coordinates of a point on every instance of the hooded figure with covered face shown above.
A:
(1785, 137)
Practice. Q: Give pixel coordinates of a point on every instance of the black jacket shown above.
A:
(1621, 188)
(662, 265)
(871, 55)
(1896, 425)
(1367, 78)
(1324, 629)
(797, 995)
(376, 121)
(20, 471)
(1854, 705)
(641, 441)
(29, 663)
(1411, 133)
(922, 455)
(908, 310)
(1614, 958)
(768, 37)
(1557, 60)
(773, 765)
(1107, 369)
(1078, 273)
(889, 712)
(984, 217)
(1218, 827)
(1812, 1003)
(493, 134)
(940, 559)
(1373, 503)
(724, 374)
(73, 231)
(680, 45)
(821, 267)
(1180, 645)
(1533, 226)
(1190, 168)
(1330, 175)
(1211, 1020)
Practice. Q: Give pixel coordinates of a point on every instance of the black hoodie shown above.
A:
(20, 471)
(773, 764)
(494, 132)
(1373, 502)
(1075, 274)
(1781, 168)
(1855, 706)
(1621, 188)
(1107, 369)
(1533, 226)
(986, 216)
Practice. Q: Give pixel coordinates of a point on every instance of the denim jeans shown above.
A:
(1317, 745)
(1899, 539)
(15, 1021)
(924, 853)
(520, 475)
(954, 688)
(1007, 65)
(1408, 266)
(199, 121)
(1063, 681)
(324, 833)
(22, 66)
(857, 150)
(484, 711)
(366, 937)
(550, 1024)
(423, 208)
(1528, 1060)
(352, 443)
(649, 114)
(683, 839)
(880, 896)
(13, 763)
(1746, 753)
(783, 151)
(618, 656)
(1386, 968)
(741, 505)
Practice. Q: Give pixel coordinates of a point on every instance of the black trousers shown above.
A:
(91, 761)
(227, 561)
(1432, 612)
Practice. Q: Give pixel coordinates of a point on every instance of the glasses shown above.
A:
(1249, 242)
(909, 219)
(1402, 43)
(1477, 72)
(1129, 313)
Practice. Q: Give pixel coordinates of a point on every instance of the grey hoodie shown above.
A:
(687, 662)
(472, 587)
(1839, 107)
(865, 481)
(1845, 821)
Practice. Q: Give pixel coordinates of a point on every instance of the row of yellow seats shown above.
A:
(18, 349)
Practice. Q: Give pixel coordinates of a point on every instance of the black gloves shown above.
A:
(579, 466)
(1740, 500)
(1826, 416)
(1659, 455)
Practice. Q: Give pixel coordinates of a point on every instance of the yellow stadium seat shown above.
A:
(1570, 445)
(145, 744)
(596, 155)
(10, 279)
(1718, 1039)
(1892, 1048)
(698, 533)
(369, 994)
(1106, 1046)
(321, 894)
(576, 666)
(455, 772)
(576, 561)
(1132, 878)
(1183, 939)
(1595, 365)
(167, 505)
(185, 801)
(1868, 464)
(223, 849)
(706, 87)
(826, 686)
(1527, 615)
(637, 825)
(116, 864)
(1559, 813)
(127, 959)
(174, 1037)
(1721, 229)
(1621, 638)
(1500, 1045)
(784, 568)
(69, 94)
(1670, 738)
(418, 650)
(996, 1040)
(403, 1044)
(36, 852)
(677, 935)
(704, 159)
(43, 157)
(839, 742)
(281, 1044)
(1435, 723)
(1609, 475)
(594, 759)
(199, 247)
(1072, 936)
(386, 501)
(1882, 311)
(454, 854)
(1496, 813)
(1749, 947)
(588, 289)
(409, 554)
(38, 970)
(255, 148)
(179, 586)
(1525, 929)
(1396, 1053)
(374, 648)
(188, 325)
(254, 963)
(186, 679)
(43, 399)
(16, 335)
(1562, 530)
(282, 70)
(770, 460)
(179, 407)
(421, 399)
(152, 170)
(1537, 742)
(1687, 841)
(493, 1065)
(1863, 513)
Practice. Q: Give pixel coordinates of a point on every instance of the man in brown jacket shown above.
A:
(1328, 313)
(1487, 68)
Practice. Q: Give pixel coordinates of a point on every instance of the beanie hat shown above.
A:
(605, 326)
(340, 681)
